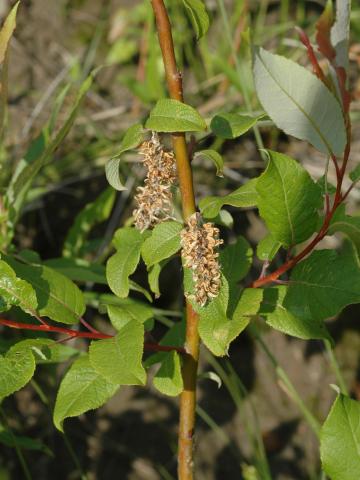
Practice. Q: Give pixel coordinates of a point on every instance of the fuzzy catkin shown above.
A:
(199, 252)
(154, 199)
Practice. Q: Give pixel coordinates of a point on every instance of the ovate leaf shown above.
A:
(127, 310)
(163, 242)
(17, 368)
(288, 200)
(168, 379)
(57, 297)
(213, 156)
(113, 174)
(154, 275)
(170, 115)
(267, 248)
(123, 263)
(232, 125)
(322, 285)
(298, 102)
(119, 358)
(15, 291)
(236, 259)
(244, 196)
(280, 317)
(132, 139)
(82, 389)
(340, 440)
(198, 16)
(216, 329)
(94, 213)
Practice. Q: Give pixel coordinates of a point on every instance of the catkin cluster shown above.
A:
(199, 251)
(154, 199)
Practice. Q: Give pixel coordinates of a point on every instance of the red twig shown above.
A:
(75, 334)
(311, 55)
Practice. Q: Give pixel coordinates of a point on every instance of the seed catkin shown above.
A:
(154, 199)
(199, 252)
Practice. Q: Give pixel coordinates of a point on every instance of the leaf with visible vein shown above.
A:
(123, 263)
(119, 358)
(340, 440)
(298, 102)
(244, 196)
(288, 200)
(82, 389)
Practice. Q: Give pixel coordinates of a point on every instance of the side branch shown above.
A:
(153, 347)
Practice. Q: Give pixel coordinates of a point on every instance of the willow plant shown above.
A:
(312, 285)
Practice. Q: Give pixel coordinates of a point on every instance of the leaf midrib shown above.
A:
(314, 125)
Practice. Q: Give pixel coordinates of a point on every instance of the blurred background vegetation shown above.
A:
(253, 424)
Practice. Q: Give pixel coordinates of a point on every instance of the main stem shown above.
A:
(188, 396)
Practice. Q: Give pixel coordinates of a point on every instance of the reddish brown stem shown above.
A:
(154, 347)
(188, 396)
(311, 55)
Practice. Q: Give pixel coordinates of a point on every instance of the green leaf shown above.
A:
(298, 102)
(232, 125)
(15, 291)
(236, 259)
(340, 440)
(57, 297)
(78, 269)
(322, 285)
(119, 358)
(47, 351)
(198, 16)
(174, 337)
(94, 213)
(244, 196)
(170, 115)
(132, 138)
(9, 439)
(82, 389)
(340, 33)
(349, 226)
(355, 174)
(278, 315)
(113, 175)
(288, 200)
(17, 368)
(163, 242)
(214, 157)
(216, 329)
(325, 186)
(153, 276)
(127, 311)
(267, 248)
(123, 263)
(7, 31)
(168, 379)
(224, 218)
